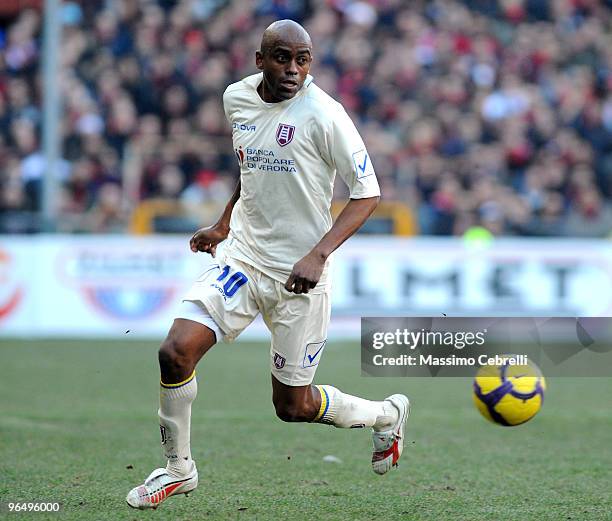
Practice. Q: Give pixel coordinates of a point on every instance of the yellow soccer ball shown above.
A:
(509, 394)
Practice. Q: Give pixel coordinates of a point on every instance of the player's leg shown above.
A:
(387, 419)
(187, 341)
(295, 403)
(299, 329)
(327, 404)
(219, 304)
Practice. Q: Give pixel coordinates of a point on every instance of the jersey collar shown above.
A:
(254, 80)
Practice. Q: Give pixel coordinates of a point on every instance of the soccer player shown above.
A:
(290, 139)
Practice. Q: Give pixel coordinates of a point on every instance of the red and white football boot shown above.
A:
(159, 486)
(388, 445)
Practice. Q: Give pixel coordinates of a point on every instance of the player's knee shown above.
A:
(287, 412)
(173, 358)
(294, 412)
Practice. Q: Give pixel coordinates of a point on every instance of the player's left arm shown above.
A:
(307, 271)
(340, 145)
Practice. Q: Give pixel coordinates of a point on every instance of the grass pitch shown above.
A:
(78, 425)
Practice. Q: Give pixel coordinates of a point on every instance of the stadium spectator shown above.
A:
(494, 113)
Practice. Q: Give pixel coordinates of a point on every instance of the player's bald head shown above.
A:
(284, 32)
(284, 57)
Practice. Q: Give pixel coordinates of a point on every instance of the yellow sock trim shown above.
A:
(323, 407)
(172, 386)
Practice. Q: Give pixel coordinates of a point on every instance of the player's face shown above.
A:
(285, 66)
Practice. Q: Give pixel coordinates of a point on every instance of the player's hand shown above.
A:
(306, 273)
(206, 239)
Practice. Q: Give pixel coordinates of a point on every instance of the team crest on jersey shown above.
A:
(279, 361)
(284, 134)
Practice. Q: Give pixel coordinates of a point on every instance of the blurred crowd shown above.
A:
(477, 113)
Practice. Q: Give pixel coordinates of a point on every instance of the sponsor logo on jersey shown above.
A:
(243, 127)
(312, 354)
(10, 291)
(284, 134)
(279, 361)
(239, 154)
(265, 160)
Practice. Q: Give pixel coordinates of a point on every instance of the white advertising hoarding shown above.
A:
(428, 277)
(112, 286)
(73, 286)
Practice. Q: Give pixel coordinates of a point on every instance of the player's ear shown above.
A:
(259, 60)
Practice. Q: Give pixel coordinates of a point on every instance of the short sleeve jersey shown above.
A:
(289, 153)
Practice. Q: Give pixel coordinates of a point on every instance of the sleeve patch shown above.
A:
(363, 164)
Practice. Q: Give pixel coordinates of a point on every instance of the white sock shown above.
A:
(175, 423)
(350, 412)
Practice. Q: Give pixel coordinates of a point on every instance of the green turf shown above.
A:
(78, 425)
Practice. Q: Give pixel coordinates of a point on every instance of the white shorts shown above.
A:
(198, 313)
(234, 293)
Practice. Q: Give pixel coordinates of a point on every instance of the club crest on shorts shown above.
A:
(284, 134)
(279, 361)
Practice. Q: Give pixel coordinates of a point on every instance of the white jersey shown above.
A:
(289, 153)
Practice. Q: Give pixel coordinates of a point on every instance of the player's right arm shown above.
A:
(206, 239)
